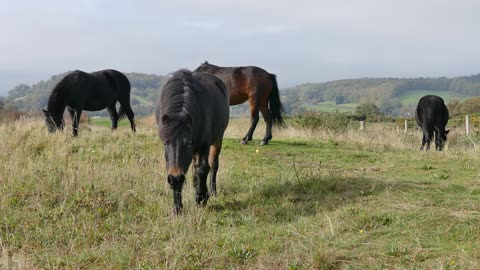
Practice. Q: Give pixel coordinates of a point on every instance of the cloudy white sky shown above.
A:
(301, 41)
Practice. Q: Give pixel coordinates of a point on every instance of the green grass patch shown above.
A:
(101, 201)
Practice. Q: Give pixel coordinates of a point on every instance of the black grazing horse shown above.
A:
(192, 115)
(91, 92)
(258, 87)
(432, 116)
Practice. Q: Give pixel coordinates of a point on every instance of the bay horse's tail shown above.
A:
(276, 108)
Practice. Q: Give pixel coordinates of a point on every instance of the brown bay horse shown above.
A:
(258, 87)
(192, 115)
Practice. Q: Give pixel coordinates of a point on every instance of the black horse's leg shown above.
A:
(75, 114)
(268, 123)
(125, 106)
(428, 139)
(213, 162)
(253, 123)
(131, 117)
(176, 184)
(201, 173)
(112, 110)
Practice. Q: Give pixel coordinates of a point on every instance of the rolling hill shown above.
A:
(394, 96)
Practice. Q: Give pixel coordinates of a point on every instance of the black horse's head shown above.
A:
(440, 139)
(178, 154)
(53, 121)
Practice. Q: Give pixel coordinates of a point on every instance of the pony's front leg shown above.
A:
(176, 184)
(201, 173)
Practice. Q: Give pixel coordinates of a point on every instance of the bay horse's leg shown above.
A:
(201, 173)
(213, 162)
(253, 121)
(112, 110)
(268, 125)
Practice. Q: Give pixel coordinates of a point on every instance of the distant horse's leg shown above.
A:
(112, 110)
(253, 123)
(125, 106)
(428, 140)
(75, 115)
(268, 124)
(424, 141)
(213, 162)
(201, 173)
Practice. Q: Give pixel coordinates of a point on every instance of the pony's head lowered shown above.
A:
(53, 121)
(440, 139)
(175, 122)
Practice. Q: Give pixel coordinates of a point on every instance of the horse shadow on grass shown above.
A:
(309, 195)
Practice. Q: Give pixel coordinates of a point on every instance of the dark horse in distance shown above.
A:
(432, 116)
(94, 91)
(258, 87)
(192, 115)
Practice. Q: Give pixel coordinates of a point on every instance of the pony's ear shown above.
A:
(165, 119)
(447, 131)
(45, 112)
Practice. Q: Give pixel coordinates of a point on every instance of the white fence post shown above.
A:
(398, 129)
(467, 125)
(362, 125)
(406, 126)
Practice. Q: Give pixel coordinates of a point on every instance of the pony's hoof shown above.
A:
(212, 193)
(244, 142)
(201, 199)
(264, 143)
(177, 210)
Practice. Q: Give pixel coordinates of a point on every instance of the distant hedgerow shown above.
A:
(336, 121)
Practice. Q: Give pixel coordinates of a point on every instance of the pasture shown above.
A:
(308, 200)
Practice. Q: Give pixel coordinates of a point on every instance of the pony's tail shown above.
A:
(276, 108)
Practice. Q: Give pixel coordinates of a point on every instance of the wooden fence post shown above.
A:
(467, 125)
(406, 126)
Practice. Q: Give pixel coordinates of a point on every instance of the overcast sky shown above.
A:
(300, 41)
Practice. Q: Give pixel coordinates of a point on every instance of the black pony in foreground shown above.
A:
(94, 91)
(258, 87)
(432, 115)
(192, 115)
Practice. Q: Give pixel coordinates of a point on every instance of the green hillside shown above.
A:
(393, 96)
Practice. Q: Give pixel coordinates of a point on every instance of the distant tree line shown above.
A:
(385, 93)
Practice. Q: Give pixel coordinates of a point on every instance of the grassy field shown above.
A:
(412, 97)
(309, 200)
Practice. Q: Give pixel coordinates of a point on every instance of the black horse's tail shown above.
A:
(276, 108)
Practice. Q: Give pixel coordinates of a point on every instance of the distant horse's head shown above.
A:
(178, 153)
(440, 140)
(53, 121)
(204, 67)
